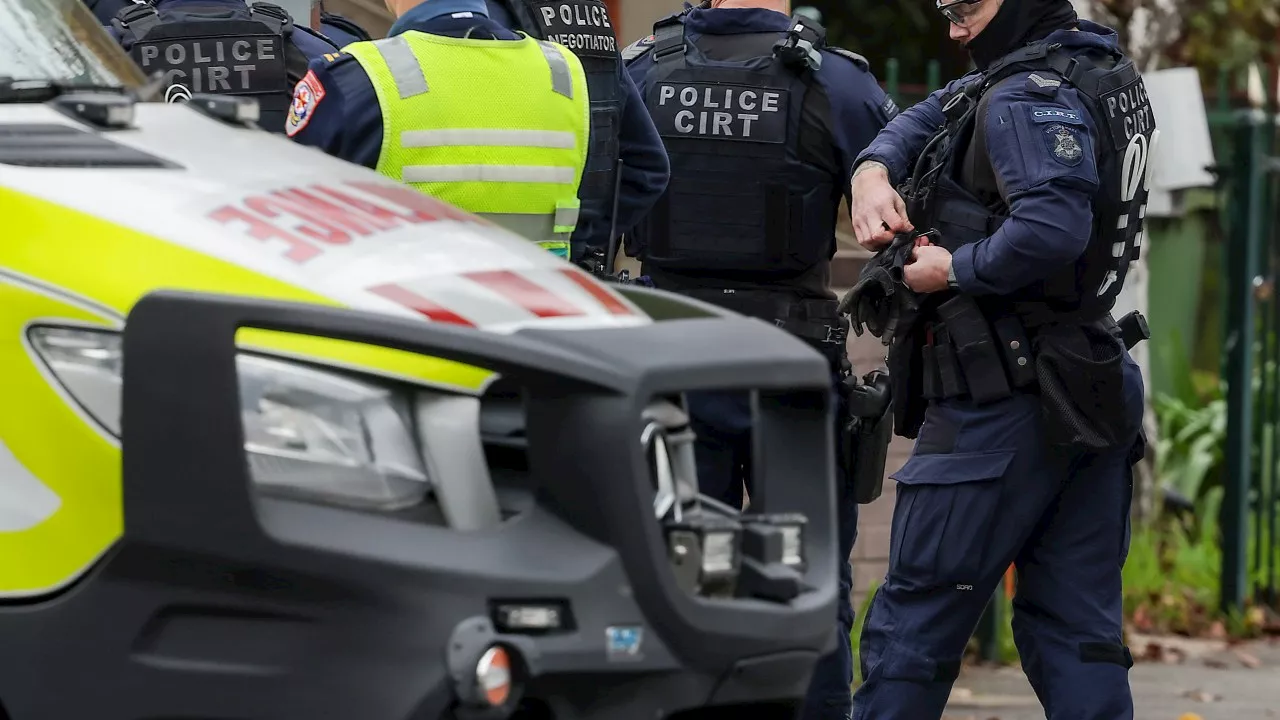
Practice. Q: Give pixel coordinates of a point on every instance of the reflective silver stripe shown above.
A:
(539, 228)
(405, 70)
(489, 173)
(567, 216)
(561, 80)
(509, 138)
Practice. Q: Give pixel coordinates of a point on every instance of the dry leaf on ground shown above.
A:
(1248, 660)
(1201, 696)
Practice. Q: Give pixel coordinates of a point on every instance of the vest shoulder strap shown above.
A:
(801, 46)
(978, 171)
(273, 16)
(133, 22)
(668, 39)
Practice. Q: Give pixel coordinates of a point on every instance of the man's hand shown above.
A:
(927, 272)
(876, 209)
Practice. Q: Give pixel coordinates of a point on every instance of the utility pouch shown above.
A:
(975, 349)
(868, 429)
(950, 376)
(1081, 376)
(1017, 351)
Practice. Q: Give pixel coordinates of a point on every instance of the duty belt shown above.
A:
(957, 368)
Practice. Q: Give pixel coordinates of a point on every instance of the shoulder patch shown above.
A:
(889, 107)
(637, 48)
(1040, 85)
(306, 96)
(1063, 144)
(1054, 114)
(850, 55)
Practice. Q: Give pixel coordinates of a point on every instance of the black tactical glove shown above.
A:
(869, 302)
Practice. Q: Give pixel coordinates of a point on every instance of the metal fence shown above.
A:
(1251, 492)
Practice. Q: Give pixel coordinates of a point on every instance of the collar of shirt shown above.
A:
(732, 21)
(1090, 35)
(432, 9)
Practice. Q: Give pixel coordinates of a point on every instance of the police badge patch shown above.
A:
(1063, 144)
(306, 96)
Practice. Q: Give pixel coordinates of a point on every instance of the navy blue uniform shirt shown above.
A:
(1050, 220)
(645, 168)
(311, 44)
(859, 106)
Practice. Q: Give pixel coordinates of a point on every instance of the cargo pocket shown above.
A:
(943, 518)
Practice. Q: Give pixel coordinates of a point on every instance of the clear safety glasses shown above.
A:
(958, 12)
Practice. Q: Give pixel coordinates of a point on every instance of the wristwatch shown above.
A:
(951, 278)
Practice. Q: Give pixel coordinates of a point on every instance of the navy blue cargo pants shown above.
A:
(722, 421)
(982, 490)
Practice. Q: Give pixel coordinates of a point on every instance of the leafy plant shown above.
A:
(855, 635)
(1189, 451)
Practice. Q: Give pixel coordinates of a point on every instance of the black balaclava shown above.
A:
(1017, 23)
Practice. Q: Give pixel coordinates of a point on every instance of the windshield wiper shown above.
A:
(38, 90)
(22, 90)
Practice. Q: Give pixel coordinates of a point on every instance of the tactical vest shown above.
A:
(754, 190)
(962, 201)
(513, 153)
(206, 49)
(585, 28)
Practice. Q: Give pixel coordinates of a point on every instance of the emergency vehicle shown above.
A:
(284, 439)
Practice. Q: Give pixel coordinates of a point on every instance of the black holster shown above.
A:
(866, 431)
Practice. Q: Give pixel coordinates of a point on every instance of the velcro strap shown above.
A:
(1099, 652)
(947, 670)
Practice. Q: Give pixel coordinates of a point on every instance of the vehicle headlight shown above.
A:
(309, 434)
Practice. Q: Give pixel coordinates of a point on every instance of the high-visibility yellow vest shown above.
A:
(497, 127)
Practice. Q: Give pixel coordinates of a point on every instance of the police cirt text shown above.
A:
(730, 112)
(1128, 112)
(211, 65)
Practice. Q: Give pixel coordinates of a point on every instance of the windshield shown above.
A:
(60, 40)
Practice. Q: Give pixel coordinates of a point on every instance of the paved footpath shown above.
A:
(1188, 680)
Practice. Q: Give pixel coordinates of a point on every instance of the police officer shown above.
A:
(620, 127)
(463, 109)
(761, 122)
(221, 46)
(1025, 405)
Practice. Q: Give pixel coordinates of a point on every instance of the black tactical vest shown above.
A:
(210, 49)
(585, 28)
(963, 201)
(754, 190)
